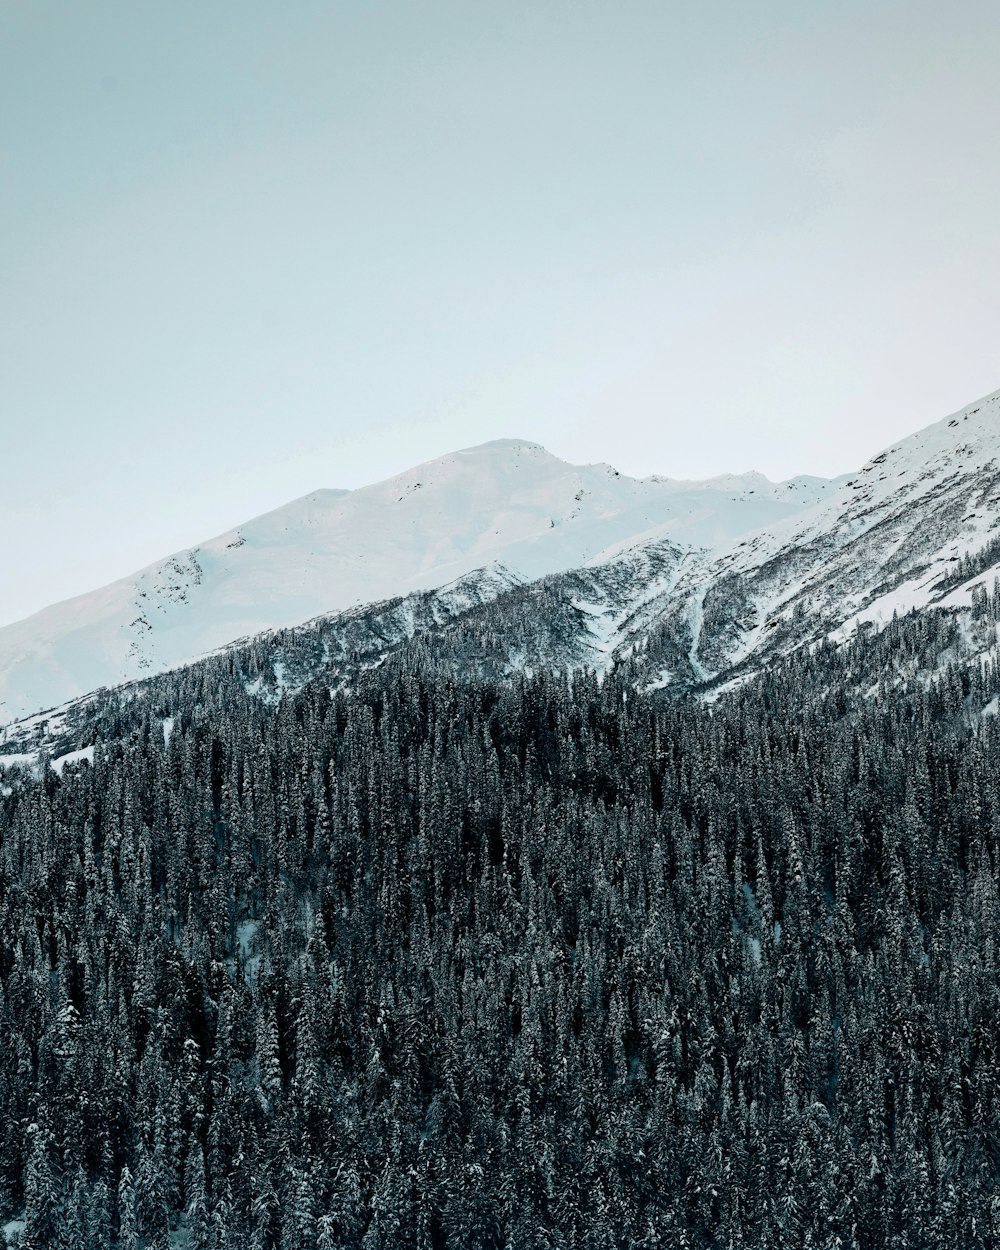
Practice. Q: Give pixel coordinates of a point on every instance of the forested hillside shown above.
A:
(545, 962)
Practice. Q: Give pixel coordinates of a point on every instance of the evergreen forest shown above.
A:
(448, 962)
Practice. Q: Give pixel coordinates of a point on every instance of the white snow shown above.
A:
(602, 625)
(507, 512)
(23, 759)
(73, 757)
(696, 618)
(246, 934)
(919, 506)
(29, 759)
(506, 504)
(246, 931)
(631, 602)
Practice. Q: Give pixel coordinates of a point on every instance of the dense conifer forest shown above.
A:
(475, 964)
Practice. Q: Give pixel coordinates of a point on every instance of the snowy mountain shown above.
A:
(516, 559)
(916, 527)
(507, 508)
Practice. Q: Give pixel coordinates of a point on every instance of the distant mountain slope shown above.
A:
(918, 526)
(508, 508)
(505, 558)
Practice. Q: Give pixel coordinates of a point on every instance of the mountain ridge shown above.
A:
(507, 503)
(681, 582)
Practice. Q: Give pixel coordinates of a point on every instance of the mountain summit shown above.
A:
(508, 508)
(688, 584)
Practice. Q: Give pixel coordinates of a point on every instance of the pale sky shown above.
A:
(250, 249)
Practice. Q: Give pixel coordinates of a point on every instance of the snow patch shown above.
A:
(246, 950)
(696, 621)
(24, 759)
(73, 757)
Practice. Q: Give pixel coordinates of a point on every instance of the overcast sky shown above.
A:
(249, 249)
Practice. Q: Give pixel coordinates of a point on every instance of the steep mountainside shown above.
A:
(918, 526)
(507, 508)
(503, 558)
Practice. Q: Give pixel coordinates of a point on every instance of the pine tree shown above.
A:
(128, 1224)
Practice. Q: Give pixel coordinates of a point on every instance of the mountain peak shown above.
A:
(508, 511)
(505, 444)
(506, 503)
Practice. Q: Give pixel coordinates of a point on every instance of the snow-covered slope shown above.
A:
(541, 562)
(507, 507)
(917, 527)
(899, 534)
